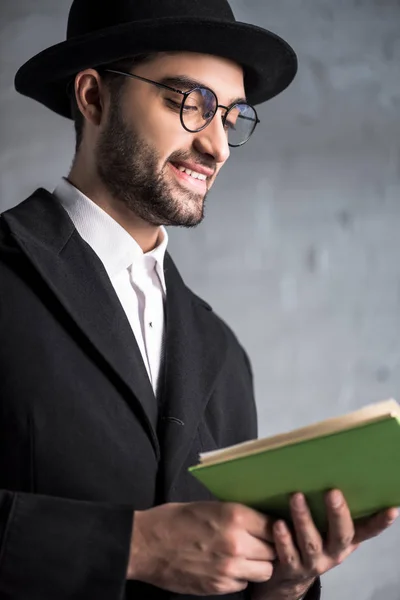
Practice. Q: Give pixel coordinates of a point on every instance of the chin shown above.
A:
(189, 218)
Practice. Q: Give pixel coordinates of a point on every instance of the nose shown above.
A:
(213, 140)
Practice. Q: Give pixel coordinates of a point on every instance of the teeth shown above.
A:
(192, 173)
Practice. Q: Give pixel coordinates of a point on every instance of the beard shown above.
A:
(128, 167)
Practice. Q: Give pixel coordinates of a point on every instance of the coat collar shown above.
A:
(195, 348)
(79, 282)
(114, 246)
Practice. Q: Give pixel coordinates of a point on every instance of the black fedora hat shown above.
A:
(110, 30)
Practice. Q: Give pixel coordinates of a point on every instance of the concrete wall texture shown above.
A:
(300, 248)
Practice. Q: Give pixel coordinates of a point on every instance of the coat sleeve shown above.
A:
(251, 407)
(314, 593)
(54, 548)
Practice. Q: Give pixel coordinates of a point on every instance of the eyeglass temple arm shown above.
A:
(257, 120)
(249, 119)
(156, 83)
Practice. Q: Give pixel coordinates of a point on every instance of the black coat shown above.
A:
(83, 441)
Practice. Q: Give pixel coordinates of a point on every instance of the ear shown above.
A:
(89, 92)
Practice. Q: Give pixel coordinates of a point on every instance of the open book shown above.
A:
(358, 453)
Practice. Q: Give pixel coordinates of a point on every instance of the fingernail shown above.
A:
(392, 516)
(298, 501)
(280, 527)
(336, 499)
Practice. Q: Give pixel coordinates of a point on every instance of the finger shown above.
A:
(223, 586)
(288, 555)
(256, 571)
(308, 537)
(368, 528)
(340, 524)
(256, 549)
(254, 522)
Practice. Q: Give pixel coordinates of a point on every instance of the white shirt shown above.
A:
(138, 278)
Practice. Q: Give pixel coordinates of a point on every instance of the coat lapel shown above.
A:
(196, 349)
(77, 278)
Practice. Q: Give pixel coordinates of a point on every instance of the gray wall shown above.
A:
(300, 249)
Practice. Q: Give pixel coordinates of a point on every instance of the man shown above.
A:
(114, 375)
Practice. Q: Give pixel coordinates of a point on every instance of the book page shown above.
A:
(368, 414)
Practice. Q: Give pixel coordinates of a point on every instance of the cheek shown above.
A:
(161, 130)
(166, 139)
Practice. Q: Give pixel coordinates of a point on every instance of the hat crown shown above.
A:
(87, 16)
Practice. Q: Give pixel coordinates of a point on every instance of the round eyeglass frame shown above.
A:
(185, 97)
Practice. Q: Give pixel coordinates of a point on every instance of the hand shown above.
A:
(300, 563)
(201, 548)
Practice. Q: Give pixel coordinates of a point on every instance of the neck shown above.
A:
(84, 178)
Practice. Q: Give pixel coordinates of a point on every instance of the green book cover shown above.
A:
(358, 454)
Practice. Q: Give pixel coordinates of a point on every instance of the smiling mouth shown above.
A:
(190, 177)
(191, 173)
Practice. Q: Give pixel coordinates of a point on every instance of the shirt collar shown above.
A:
(114, 246)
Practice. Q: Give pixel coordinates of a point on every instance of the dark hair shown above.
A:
(115, 85)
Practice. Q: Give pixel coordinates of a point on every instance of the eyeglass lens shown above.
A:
(200, 107)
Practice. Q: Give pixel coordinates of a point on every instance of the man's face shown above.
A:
(142, 146)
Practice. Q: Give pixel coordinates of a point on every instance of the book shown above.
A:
(358, 453)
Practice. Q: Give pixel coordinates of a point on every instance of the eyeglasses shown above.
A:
(199, 106)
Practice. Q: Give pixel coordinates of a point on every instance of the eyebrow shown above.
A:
(187, 82)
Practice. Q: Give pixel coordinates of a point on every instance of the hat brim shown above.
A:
(269, 63)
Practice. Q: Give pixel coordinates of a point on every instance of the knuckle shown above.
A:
(312, 547)
(314, 569)
(289, 560)
(343, 541)
(232, 546)
(338, 510)
(219, 587)
(234, 514)
(226, 568)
